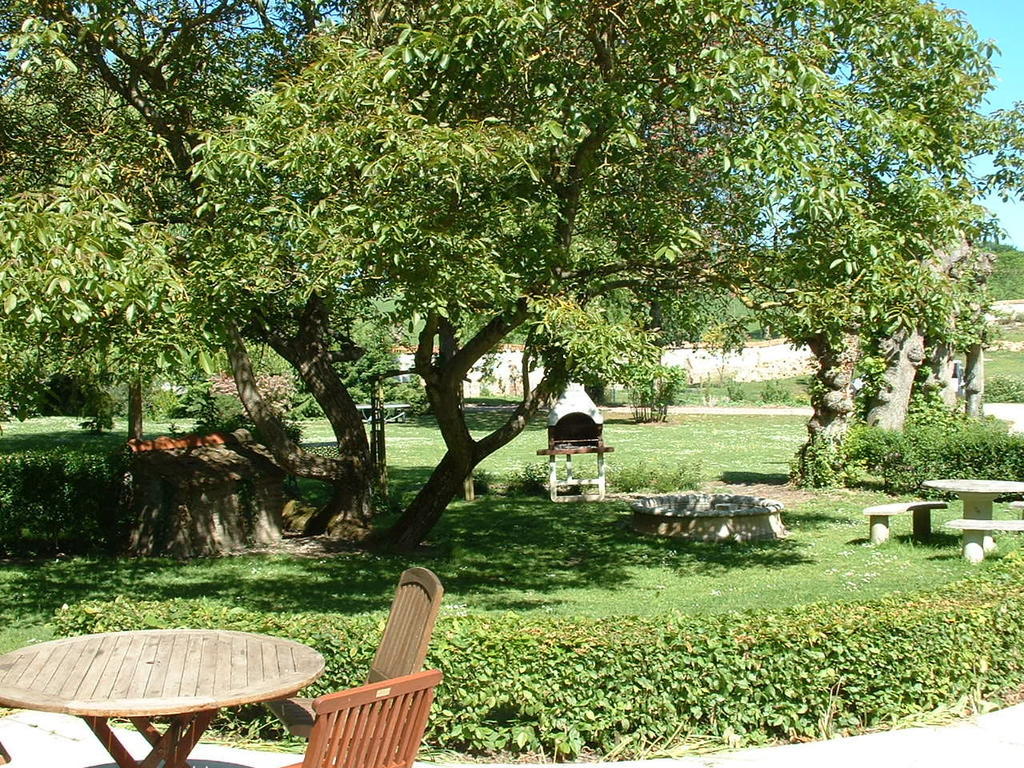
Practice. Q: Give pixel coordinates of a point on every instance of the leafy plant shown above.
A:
(1004, 389)
(653, 476)
(951, 447)
(773, 393)
(653, 389)
(64, 500)
(562, 686)
(528, 480)
(734, 391)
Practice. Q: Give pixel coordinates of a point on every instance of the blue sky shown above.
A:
(1002, 21)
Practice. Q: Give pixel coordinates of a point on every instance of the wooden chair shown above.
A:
(379, 725)
(401, 650)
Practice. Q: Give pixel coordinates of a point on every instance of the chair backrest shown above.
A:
(379, 725)
(410, 624)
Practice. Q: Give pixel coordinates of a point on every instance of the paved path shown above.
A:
(45, 740)
(1012, 413)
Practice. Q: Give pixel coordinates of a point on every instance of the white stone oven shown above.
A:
(575, 427)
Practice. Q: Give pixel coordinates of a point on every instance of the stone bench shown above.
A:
(974, 534)
(878, 518)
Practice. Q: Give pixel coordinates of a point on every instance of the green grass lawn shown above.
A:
(526, 554)
(1004, 362)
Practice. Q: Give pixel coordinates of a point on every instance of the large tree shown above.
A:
(488, 168)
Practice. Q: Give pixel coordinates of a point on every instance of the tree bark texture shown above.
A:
(950, 263)
(974, 380)
(135, 409)
(940, 379)
(904, 353)
(350, 474)
(203, 496)
(819, 460)
(442, 376)
(974, 363)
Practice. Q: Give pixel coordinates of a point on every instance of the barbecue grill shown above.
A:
(575, 427)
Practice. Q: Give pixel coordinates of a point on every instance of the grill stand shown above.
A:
(555, 487)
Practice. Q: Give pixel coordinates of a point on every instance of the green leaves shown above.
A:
(570, 686)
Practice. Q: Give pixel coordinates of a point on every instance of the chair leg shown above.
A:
(922, 524)
(879, 528)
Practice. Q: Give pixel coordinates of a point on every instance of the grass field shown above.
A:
(525, 554)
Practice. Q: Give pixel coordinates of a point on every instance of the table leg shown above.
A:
(110, 742)
(978, 506)
(170, 748)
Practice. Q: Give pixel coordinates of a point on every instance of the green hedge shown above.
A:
(562, 686)
(952, 447)
(60, 501)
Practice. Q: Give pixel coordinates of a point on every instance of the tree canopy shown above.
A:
(271, 173)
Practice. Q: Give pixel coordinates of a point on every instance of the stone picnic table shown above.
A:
(185, 675)
(977, 497)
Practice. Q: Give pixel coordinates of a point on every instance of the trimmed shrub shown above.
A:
(950, 447)
(61, 501)
(563, 686)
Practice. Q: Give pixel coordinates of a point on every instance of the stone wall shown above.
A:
(502, 372)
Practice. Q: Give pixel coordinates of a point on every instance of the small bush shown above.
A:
(773, 393)
(660, 478)
(822, 463)
(411, 392)
(734, 391)
(1004, 389)
(652, 391)
(61, 501)
(528, 480)
(561, 686)
(163, 403)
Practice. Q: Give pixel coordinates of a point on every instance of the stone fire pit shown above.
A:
(709, 517)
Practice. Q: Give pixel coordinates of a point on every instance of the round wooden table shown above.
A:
(184, 674)
(977, 497)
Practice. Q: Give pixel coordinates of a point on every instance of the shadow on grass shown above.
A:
(479, 420)
(500, 553)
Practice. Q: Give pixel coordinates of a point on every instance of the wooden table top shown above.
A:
(992, 487)
(155, 672)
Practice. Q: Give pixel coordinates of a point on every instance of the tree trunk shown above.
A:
(442, 376)
(940, 379)
(422, 514)
(974, 380)
(135, 409)
(337, 516)
(349, 474)
(974, 364)
(951, 264)
(904, 353)
(819, 461)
